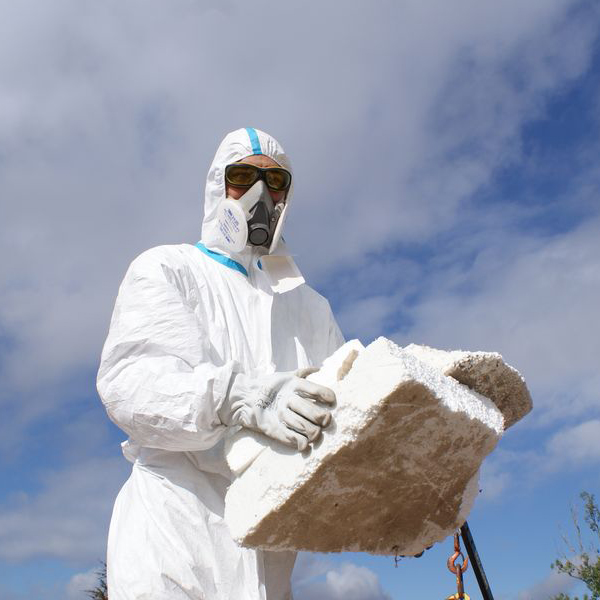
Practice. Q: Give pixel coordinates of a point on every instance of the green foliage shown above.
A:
(100, 592)
(585, 564)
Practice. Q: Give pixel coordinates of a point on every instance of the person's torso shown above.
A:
(246, 322)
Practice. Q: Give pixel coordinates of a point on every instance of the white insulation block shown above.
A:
(394, 473)
(484, 372)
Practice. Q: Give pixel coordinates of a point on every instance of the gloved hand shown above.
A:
(283, 406)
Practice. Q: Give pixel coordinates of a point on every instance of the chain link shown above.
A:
(458, 569)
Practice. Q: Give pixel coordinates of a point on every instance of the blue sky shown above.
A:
(446, 175)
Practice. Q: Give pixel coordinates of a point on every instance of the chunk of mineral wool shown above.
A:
(394, 473)
(484, 372)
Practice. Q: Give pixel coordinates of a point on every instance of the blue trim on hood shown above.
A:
(224, 260)
(254, 140)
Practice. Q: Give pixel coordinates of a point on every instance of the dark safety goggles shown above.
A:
(246, 175)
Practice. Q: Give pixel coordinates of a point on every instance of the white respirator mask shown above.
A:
(253, 219)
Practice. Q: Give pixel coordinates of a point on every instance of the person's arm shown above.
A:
(336, 337)
(159, 378)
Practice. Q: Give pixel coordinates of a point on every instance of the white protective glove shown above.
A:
(283, 406)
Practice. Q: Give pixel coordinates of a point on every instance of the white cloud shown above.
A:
(393, 115)
(493, 480)
(67, 518)
(135, 100)
(365, 318)
(309, 566)
(554, 584)
(347, 582)
(570, 448)
(532, 300)
(575, 446)
(80, 583)
(506, 470)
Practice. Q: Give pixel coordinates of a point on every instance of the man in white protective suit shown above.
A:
(202, 341)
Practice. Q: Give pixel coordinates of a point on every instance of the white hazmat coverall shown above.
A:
(187, 319)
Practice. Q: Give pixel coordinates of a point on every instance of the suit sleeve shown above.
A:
(158, 378)
(336, 337)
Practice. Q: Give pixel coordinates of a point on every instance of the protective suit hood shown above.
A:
(237, 145)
